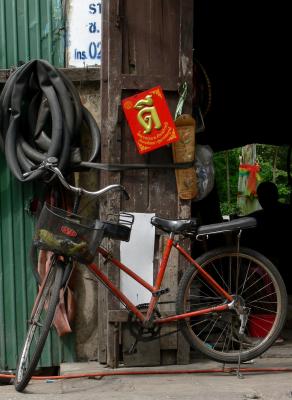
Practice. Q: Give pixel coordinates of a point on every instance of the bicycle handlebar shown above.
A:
(50, 165)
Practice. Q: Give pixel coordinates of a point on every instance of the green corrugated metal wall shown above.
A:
(29, 29)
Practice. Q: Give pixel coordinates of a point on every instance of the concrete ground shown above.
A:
(188, 386)
(207, 386)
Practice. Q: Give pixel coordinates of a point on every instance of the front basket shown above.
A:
(68, 234)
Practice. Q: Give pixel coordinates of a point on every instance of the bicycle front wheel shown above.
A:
(39, 326)
(248, 276)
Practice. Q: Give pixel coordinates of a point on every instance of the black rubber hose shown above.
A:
(50, 76)
(95, 134)
(76, 101)
(24, 162)
(5, 99)
(41, 116)
(18, 94)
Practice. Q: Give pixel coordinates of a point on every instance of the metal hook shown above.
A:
(182, 91)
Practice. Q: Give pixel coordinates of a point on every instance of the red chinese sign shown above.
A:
(150, 120)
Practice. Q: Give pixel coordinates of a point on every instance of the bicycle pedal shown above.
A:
(132, 349)
(130, 352)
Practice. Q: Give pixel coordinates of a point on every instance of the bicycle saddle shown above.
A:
(176, 225)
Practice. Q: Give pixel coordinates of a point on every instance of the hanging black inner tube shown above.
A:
(41, 116)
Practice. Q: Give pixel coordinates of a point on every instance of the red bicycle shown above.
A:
(231, 302)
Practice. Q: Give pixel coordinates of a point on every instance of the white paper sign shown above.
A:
(84, 33)
(138, 254)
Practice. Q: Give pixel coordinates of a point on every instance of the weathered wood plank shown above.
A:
(148, 353)
(87, 74)
(153, 46)
(151, 37)
(136, 182)
(118, 315)
(102, 293)
(113, 333)
(110, 149)
(185, 75)
(169, 281)
(144, 49)
(144, 82)
(186, 49)
(128, 81)
(74, 74)
(162, 186)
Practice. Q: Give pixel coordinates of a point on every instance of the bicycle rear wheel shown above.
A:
(257, 282)
(39, 326)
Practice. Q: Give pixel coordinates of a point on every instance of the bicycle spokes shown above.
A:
(251, 319)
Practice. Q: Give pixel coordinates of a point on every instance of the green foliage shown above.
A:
(220, 164)
(229, 209)
(273, 163)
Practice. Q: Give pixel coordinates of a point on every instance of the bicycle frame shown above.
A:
(155, 290)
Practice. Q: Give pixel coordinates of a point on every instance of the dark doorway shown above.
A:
(244, 47)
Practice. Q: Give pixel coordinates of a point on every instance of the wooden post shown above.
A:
(135, 59)
(110, 151)
(185, 75)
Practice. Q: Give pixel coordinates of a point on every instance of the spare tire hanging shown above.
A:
(41, 116)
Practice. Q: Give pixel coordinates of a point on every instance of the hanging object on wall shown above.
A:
(184, 151)
(41, 116)
(205, 171)
(150, 120)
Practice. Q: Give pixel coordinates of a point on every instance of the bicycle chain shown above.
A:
(145, 305)
(154, 337)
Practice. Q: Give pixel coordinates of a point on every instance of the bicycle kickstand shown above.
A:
(238, 372)
(243, 321)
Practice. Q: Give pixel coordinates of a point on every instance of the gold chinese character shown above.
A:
(146, 107)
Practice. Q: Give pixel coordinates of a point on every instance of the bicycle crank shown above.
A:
(140, 331)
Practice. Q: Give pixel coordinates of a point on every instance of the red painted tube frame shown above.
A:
(204, 274)
(154, 289)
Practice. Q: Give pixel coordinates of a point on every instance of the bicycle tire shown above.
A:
(262, 289)
(39, 326)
